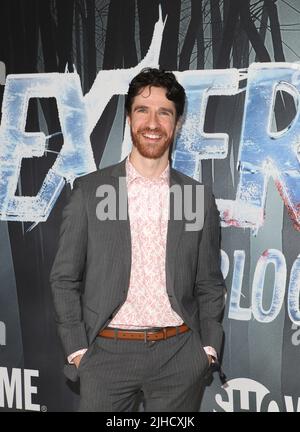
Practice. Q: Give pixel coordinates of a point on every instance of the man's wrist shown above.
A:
(72, 356)
(210, 351)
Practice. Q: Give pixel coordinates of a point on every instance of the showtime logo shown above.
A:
(244, 394)
(16, 390)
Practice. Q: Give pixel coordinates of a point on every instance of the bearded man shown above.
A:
(139, 299)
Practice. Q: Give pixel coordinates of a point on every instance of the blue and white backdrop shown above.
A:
(64, 69)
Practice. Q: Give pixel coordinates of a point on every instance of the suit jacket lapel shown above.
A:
(175, 229)
(123, 226)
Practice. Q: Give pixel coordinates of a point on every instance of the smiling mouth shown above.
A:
(153, 137)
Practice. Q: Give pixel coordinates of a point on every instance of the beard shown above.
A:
(151, 150)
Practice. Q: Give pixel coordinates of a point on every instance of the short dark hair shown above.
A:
(157, 78)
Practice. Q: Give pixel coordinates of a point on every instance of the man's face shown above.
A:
(152, 122)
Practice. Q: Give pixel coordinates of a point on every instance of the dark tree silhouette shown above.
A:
(275, 30)
(194, 28)
(240, 10)
(240, 49)
(228, 34)
(148, 15)
(169, 49)
(120, 48)
(65, 14)
(263, 24)
(200, 43)
(216, 29)
(90, 43)
(48, 37)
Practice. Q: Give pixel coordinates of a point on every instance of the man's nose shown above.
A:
(153, 120)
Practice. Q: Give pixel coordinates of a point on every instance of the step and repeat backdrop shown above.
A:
(65, 66)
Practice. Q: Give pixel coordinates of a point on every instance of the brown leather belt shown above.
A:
(145, 335)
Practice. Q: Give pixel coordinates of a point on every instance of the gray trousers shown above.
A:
(169, 373)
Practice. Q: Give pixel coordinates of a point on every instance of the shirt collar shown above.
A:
(133, 174)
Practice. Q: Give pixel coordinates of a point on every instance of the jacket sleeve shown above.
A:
(210, 285)
(67, 273)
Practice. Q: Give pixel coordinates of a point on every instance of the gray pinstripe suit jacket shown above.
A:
(91, 270)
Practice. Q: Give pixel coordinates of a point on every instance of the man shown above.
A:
(139, 298)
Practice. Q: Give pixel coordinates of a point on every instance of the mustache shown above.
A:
(149, 130)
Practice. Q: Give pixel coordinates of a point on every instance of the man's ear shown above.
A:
(178, 124)
(128, 119)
